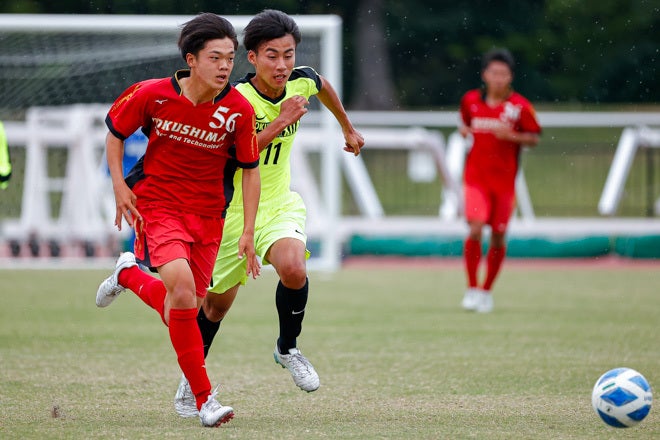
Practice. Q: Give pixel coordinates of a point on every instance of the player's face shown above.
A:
(273, 62)
(497, 76)
(213, 64)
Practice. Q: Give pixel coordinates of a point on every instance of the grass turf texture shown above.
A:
(397, 357)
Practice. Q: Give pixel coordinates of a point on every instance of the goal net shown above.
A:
(61, 72)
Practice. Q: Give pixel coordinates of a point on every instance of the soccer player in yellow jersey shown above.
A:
(279, 93)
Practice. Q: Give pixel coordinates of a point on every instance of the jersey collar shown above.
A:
(185, 73)
(248, 79)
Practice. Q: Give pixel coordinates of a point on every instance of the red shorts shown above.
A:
(492, 207)
(167, 234)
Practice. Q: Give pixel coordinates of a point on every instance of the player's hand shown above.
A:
(125, 202)
(504, 133)
(464, 130)
(353, 141)
(293, 108)
(246, 250)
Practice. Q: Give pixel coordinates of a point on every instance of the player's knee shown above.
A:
(497, 240)
(293, 275)
(214, 310)
(181, 296)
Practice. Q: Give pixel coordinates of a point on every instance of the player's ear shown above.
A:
(190, 59)
(252, 57)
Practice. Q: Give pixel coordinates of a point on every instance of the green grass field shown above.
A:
(397, 357)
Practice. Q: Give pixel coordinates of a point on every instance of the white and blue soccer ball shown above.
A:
(622, 397)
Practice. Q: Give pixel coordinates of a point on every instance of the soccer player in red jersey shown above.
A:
(500, 122)
(200, 129)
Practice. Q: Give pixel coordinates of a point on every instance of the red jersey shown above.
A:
(193, 150)
(494, 161)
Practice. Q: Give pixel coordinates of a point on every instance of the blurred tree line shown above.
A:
(426, 53)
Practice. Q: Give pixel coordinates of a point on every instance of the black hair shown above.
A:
(268, 25)
(204, 27)
(498, 54)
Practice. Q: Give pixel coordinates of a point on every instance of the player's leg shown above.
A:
(213, 309)
(287, 255)
(229, 272)
(214, 305)
(477, 208)
(283, 242)
(128, 275)
(503, 207)
(181, 314)
(181, 309)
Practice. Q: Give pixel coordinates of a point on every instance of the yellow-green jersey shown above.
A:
(274, 161)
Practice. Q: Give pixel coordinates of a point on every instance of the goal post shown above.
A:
(69, 61)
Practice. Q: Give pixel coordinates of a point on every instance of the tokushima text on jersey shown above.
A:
(194, 135)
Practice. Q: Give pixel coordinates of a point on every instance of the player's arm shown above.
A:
(125, 199)
(353, 139)
(251, 185)
(291, 110)
(528, 139)
(464, 126)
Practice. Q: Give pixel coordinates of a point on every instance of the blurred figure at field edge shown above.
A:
(5, 159)
(500, 122)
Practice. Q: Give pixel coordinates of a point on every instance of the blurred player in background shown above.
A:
(199, 129)
(500, 122)
(279, 93)
(5, 160)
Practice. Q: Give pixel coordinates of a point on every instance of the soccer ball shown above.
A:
(622, 397)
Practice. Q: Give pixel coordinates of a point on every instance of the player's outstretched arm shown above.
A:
(353, 139)
(251, 192)
(125, 199)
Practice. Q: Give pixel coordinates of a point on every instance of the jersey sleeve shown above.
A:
(127, 113)
(464, 109)
(247, 148)
(528, 122)
(314, 83)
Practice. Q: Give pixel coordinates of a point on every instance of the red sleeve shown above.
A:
(528, 122)
(247, 148)
(466, 116)
(128, 112)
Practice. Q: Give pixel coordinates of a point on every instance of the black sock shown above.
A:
(208, 329)
(291, 310)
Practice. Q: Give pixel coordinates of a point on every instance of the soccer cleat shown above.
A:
(470, 299)
(110, 287)
(484, 302)
(184, 400)
(213, 413)
(301, 369)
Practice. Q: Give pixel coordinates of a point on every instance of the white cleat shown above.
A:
(484, 302)
(213, 413)
(110, 287)
(301, 369)
(184, 400)
(470, 299)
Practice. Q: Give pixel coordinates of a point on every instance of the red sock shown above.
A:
(187, 342)
(472, 257)
(149, 289)
(494, 260)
